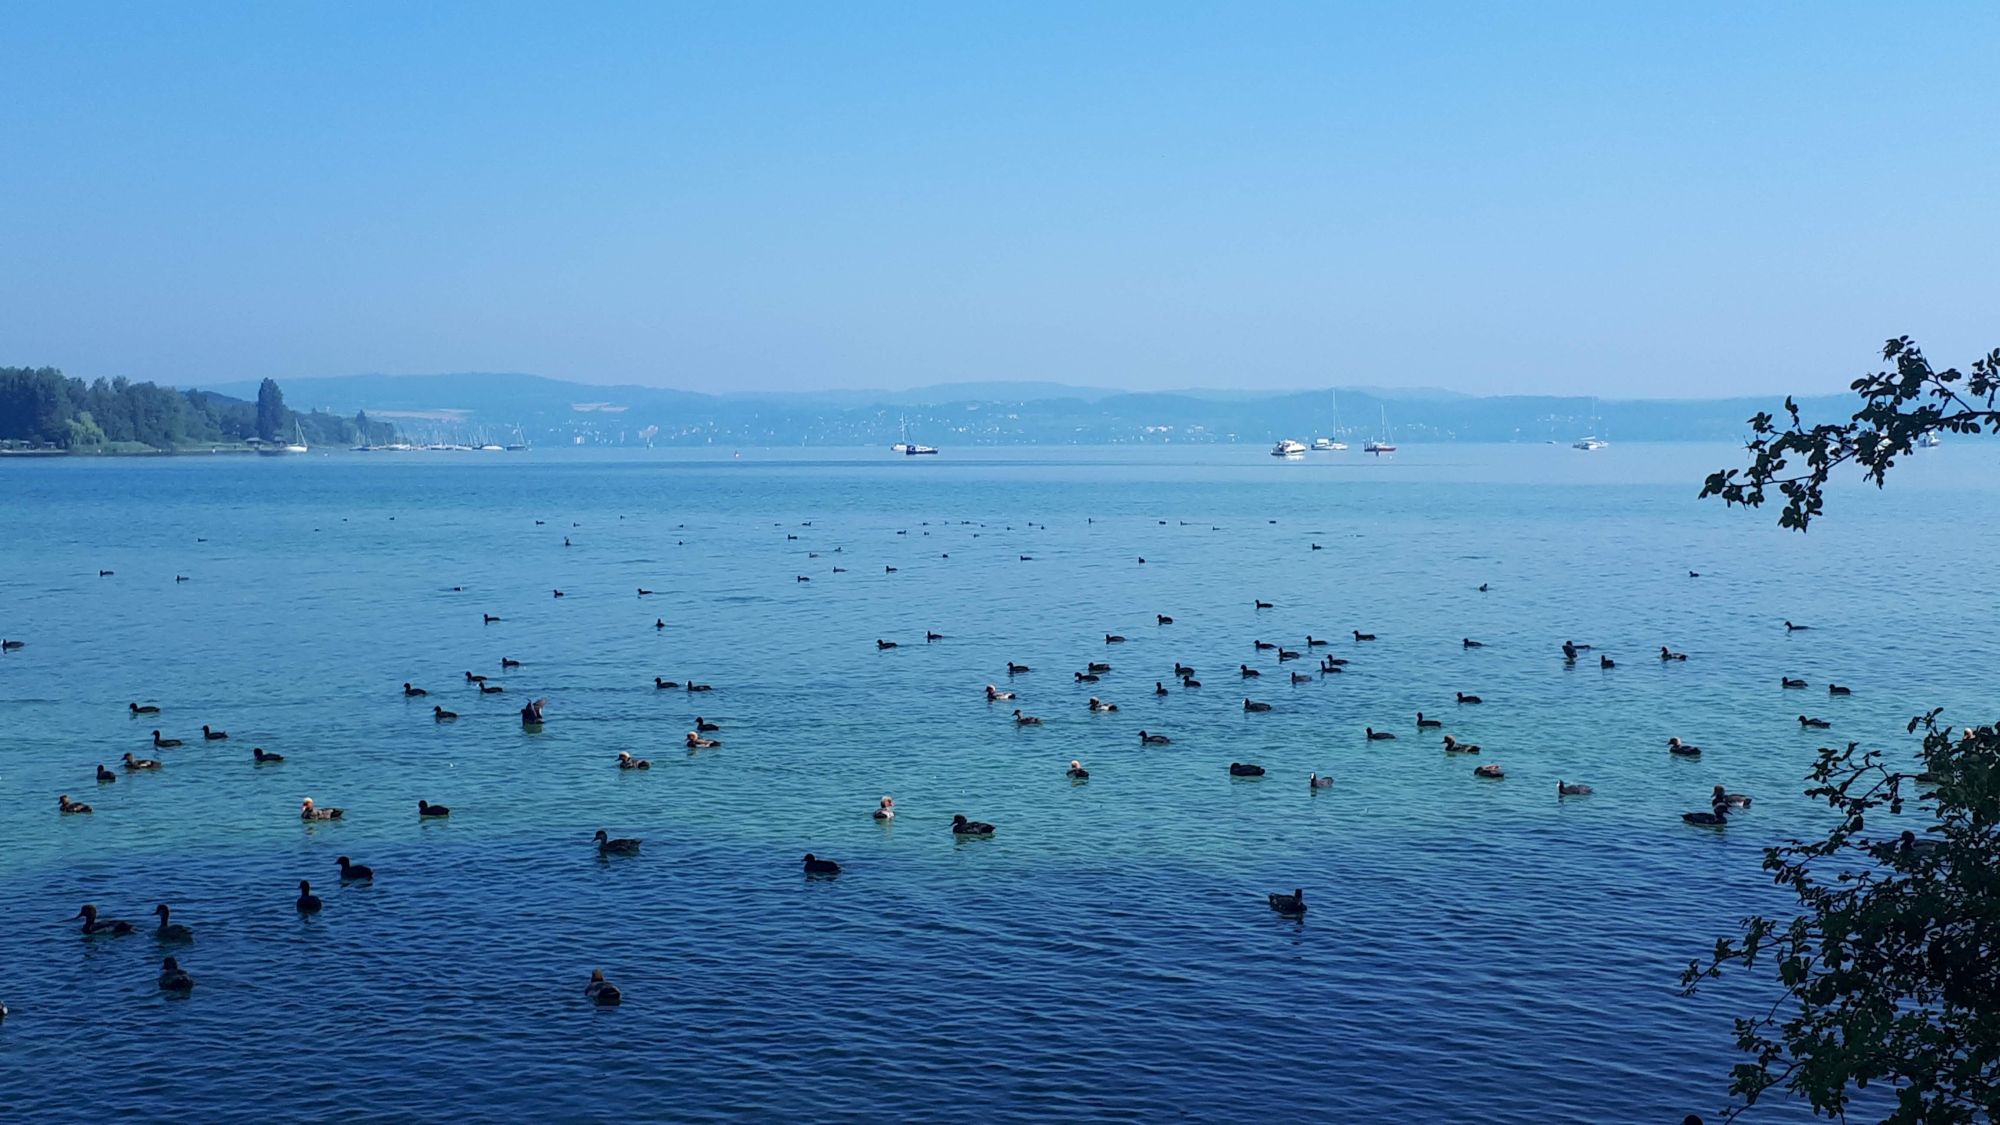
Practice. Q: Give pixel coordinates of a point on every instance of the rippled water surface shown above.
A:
(1476, 950)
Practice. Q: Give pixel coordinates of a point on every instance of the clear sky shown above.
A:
(1616, 198)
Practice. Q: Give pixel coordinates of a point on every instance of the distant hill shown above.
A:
(467, 405)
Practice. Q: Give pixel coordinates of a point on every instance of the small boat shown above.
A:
(1929, 441)
(1332, 444)
(908, 448)
(1288, 448)
(1382, 444)
(298, 444)
(1589, 444)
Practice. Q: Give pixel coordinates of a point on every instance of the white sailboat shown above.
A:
(1591, 443)
(909, 448)
(1382, 444)
(1332, 444)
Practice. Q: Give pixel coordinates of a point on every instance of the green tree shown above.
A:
(1889, 975)
(270, 410)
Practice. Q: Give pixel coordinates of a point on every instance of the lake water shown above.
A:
(1476, 950)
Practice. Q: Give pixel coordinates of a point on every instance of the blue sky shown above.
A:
(1625, 199)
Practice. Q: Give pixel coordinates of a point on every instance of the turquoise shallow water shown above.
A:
(1476, 950)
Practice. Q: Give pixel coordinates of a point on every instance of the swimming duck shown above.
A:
(692, 686)
(1569, 652)
(262, 756)
(351, 871)
(1025, 720)
(1085, 677)
(697, 742)
(1464, 698)
(411, 691)
(1572, 789)
(1489, 770)
(1183, 670)
(1190, 682)
(491, 689)
(1247, 672)
(1097, 704)
(1676, 746)
(1318, 782)
(703, 725)
(209, 734)
(104, 775)
(1787, 681)
(1262, 646)
(441, 715)
(1427, 724)
(507, 662)
(882, 644)
(963, 827)
(1606, 662)
(1454, 746)
(930, 636)
(666, 684)
(67, 807)
(1076, 772)
(1260, 604)
(309, 811)
(1301, 678)
(1113, 639)
(1908, 844)
(308, 902)
(1361, 636)
(661, 622)
(1791, 628)
(1285, 654)
(1813, 724)
(490, 619)
(818, 866)
(1722, 796)
(1316, 642)
(1097, 666)
(602, 992)
(132, 763)
(1159, 688)
(627, 762)
(1482, 587)
(643, 592)
(426, 809)
(164, 743)
(559, 593)
(10, 646)
(1149, 739)
(1716, 817)
(1836, 689)
(472, 679)
(994, 695)
(1163, 619)
(175, 979)
(1669, 654)
(1468, 642)
(94, 926)
(1333, 663)
(623, 845)
(1014, 669)
(1245, 769)
(1253, 705)
(886, 810)
(1378, 735)
(1292, 905)
(169, 930)
(143, 709)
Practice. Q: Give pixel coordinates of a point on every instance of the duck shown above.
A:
(1482, 587)
(10, 646)
(175, 979)
(1676, 746)
(1285, 654)
(602, 992)
(1572, 789)
(1076, 772)
(963, 827)
(931, 637)
(622, 845)
(1490, 770)
(1569, 652)
(1291, 905)
(1098, 705)
(508, 662)
(132, 763)
(308, 902)
(1468, 642)
(995, 695)
(412, 691)
(697, 742)
(94, 926)
(261, 756)
(164, 743)
(1317, 781)
(888, 570)
(210, 734)
(1162, 619)
(309, 811)
(1723, 796)
(143, 708)
(1428, 724)
(882, 644)
(1454, 746)
(1245, 769)
(627, 762)
(474, 679)
(1836, 689)
(1791, 628)
(491, 689)
(490, 619)
(67, 807)
(704, 726)
(643, 592)
(1113, 639)
(441, 715)
(1183, 671)
(692, 686)
(1259, 603)
(1097, 666)
(1716, 817)
(351, 871)
(666, 685)
(1606, 662)
(1464, 698)
(559, 593)
(1190, 682)
(170, 930)
(1813, 724)
(1086, 677)
(1025, 720)
(1316, 642)
(1014, 669)
(1147, 738)
(1669, 654)
(1332, 664)
(435, 812)
(1787, 681)
(886, 809)
(1908, 844)
(818, 866)
(1159, 688)
(1361, 636)
(105, 776)
(1262, 646)
(1253, 705)
(1378, 735)
(661, 622)
(1301, 678)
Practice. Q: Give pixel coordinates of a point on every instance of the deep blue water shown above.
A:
(1476, 950)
